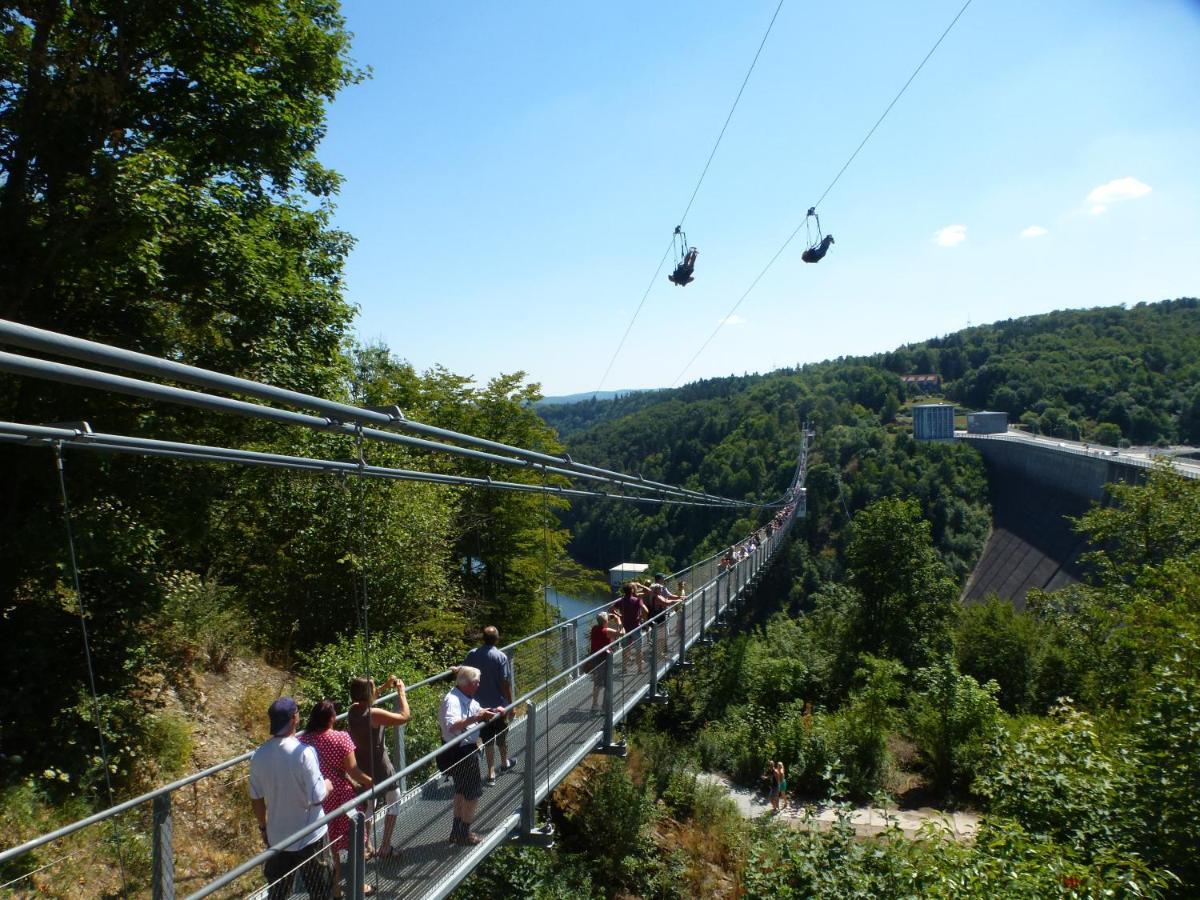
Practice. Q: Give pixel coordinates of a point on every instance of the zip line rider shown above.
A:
(816, 248)
(682, 276)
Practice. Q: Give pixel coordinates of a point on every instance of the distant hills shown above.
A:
(568, 399)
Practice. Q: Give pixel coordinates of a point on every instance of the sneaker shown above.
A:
(511, 764)
(491, 779)
(470, 839)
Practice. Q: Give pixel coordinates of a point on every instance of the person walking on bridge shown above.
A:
(460, 758)
(286, 793)
(495, 690)
(633, 612)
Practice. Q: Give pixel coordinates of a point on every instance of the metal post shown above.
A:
(574, 650)
(356, 860)
(654, 695)
(528, 802)
(530, 833)
(683, 635)
(683, 629)
(703, 637)
(608, 743)
(402, 757)
(162, 875)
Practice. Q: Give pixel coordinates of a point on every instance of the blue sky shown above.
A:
(514, 171)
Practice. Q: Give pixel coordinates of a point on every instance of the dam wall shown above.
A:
(1034, 487)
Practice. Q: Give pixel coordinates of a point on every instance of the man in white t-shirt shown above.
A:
(286, 791)
(460, 757)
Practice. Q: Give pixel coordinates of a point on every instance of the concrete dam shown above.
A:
(1035, 484)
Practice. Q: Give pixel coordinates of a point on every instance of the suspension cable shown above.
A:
(33, 435)
(825, 194)
(695, 191)
(336, 418)
(87, 655)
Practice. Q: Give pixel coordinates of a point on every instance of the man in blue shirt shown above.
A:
(495, 690)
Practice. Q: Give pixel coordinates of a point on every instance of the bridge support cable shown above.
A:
(826, 192)
(696, 190)
(60, 468)
(334, 416)
(40, 435)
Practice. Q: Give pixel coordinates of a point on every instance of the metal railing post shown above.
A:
(653, 661)
(402, 756)
(654, 695)
(162, 875)
(683, 635)
(574, 650)
(356, 860)
(608, 742)
(703, 635)
(528, 799)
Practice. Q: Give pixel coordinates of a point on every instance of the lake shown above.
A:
(571, 606)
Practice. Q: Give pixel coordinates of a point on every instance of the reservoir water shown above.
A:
(571, 606)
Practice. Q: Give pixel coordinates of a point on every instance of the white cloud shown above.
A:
(950, 235)
(1034, 231)
(1127, 188)
(735, 319)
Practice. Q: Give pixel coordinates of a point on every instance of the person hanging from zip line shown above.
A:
(686, 267)
(682, 275)
(818, 247)
(817, 253)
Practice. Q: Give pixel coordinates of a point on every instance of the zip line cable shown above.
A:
(695, 191)
(87, 655)
(825, 194)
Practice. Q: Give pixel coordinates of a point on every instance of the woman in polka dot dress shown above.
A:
(335, 752)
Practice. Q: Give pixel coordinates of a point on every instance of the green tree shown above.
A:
(907, 595)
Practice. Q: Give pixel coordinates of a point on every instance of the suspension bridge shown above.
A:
(556, 678)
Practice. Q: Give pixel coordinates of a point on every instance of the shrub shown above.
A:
(514, 871)
(1003, 862)
(953, 721)
(1059, 781)
(994, 642)
(205, 616)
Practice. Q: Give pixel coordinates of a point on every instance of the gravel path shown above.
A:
(867, 820)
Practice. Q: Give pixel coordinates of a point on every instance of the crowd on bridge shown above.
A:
(298, 776)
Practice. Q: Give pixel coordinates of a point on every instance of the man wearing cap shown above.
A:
(286, 791)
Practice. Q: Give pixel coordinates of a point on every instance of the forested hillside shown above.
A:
(741, 437)
(1105, 374)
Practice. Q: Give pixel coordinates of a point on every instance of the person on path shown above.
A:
(366, 724)
(339, 766)
(495, 690)
(286, 793)
(460, 757)
(778, 785)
